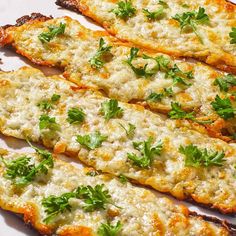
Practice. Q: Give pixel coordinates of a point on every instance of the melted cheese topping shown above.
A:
(21, 91)
(78, 45)
(140, 211)
(164, 34)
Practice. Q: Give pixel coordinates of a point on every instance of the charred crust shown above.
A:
(226, 225)
(28, 18)
(68, 4)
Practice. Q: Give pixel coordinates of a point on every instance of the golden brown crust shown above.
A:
(222, 62)
(76, 231)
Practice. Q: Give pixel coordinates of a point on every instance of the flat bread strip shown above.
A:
(164, 34)
(73, 50)
(22, 91)
(136, 205)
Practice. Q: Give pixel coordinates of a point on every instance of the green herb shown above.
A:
(179, 76)
(178, 113)
(97, 61)
(140, 71)
(48, 104)
(55, 205)
(130, 131)
(109, 230)
(124, 10)
(225, 82)
(53, 32)
(46, 122)
(22, 171)
(91, 141)
(123, 179)
(201, 157)
(92, 173)
(223, 107)
(155, 14)
(157, 97)
(232, 35)
(192, 19)
(185, 5)
(76, 116)
(94, 198)
(110, 109)
(162, 63)
(163, 3)
(148, 153)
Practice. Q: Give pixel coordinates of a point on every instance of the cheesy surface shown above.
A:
(74, 49)
(211, 43)
(23, 90)
(139, 211)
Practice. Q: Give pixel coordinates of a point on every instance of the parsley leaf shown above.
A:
(226, 82)
(53, 32)
(163, 3)
(162, 63)
(94, 198)
(130, 131)
(48, 104)
(22, 171)
(123, 179)
(157, 97)
(179, 76)
(97, 61)
(110, 109)
(140, 71)
(109, 230)
(55, 205)
(232, 35)
(178, 113)
(155, 14)
(148, 153)
(47, 122)
(223, 107)
(91, 141)
(124, 9)
(75, 116)
(201, 157)
(192, 19)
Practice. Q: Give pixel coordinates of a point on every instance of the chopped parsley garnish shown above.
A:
(47, 122)
(130, 131)
(53, 32)
(163, 3)
(201, 157)
(232, 35)
(178, 113)
(179, 76)
(157, 97)
(109, 230)
(48, 104)
(76, 116)
(141, 71)
(124, 10)
(91, 141)
(148, 153)
(55, 205)
(123, 179)
(190, 20)
(226, 82)
(22, 171)
(110, 109)
(162, 63)
(98, 60)
(92, 173)
(154, 15)
(223, 107)
(95, 198)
